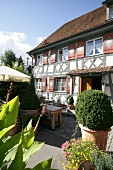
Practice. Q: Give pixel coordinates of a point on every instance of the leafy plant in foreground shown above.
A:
(15, 151)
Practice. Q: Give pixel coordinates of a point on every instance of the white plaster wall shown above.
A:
(107, 91)
(106, 79)
(109, 60)
(45, 68)
(63, 99)
(76, 89)
(79, 64)
(72, 65)
(51, 68)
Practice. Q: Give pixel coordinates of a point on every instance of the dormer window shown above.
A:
(111, 12)
(108, 4)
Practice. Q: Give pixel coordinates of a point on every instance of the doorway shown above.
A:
(88, 83)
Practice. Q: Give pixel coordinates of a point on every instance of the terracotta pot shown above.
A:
(26, 113)
(71, 106)
(99, 137)
(30, 112)
(92, 168)
(13, 131)
(84, 165)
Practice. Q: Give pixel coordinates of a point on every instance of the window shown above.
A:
(94, 47)
(111, 12)
(61, 84)
(38, 84)
(39, 59)
(62, 54)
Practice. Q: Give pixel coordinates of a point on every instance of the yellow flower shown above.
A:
(73, 161)
(76, 165)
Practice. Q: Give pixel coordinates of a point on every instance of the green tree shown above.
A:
(20, 61)
(8, 57)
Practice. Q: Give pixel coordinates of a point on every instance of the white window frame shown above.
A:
(61, 87)
(94, 40)
(38, 83)
(62, 57)
(111, 12)
(39, 59)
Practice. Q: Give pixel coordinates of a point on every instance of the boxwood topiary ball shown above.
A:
(93, 110)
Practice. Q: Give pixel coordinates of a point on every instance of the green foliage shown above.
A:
(103, 161)
(69, 99)
(29, 99)
(7, 111)
(19, 67)
(20, 61)
(93, 110)
(8, 57)
(15, 151)
(18, 89)
(77, 151)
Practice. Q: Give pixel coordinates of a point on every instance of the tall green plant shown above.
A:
(29, 99)
(15, 151)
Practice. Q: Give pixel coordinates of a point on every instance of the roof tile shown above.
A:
(90, 70)
(83, 23)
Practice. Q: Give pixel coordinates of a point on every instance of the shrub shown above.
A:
(102, 161)
(93, 110)
(29, 100)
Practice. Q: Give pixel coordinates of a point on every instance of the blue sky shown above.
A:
(24, 23)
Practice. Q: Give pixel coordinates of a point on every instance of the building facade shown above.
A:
(76, 57)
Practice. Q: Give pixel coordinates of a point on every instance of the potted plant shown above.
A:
(94, 115)
(79, 153)
(70, 102)
(29, 102)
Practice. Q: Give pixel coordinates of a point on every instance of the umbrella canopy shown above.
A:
(10, 75)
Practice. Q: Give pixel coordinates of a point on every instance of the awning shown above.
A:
(90, 71)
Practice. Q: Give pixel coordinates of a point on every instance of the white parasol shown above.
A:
(11, 75)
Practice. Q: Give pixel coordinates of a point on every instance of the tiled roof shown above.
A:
(90, 70)
(79, 25)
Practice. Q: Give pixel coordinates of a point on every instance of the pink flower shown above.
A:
(63, 145)
(75, 141)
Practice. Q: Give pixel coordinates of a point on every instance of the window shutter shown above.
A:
(51, 84)
(68, 84)
(45, 58)
(43, 87)
(71, 52)
(108, 43)
(53, 56)
(80, 49)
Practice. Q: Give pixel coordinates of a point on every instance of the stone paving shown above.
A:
(69, 129)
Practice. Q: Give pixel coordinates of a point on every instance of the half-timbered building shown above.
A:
(76, 57)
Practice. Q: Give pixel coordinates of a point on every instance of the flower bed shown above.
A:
(78, 151)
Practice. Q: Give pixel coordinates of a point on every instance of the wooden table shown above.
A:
(53, 112)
